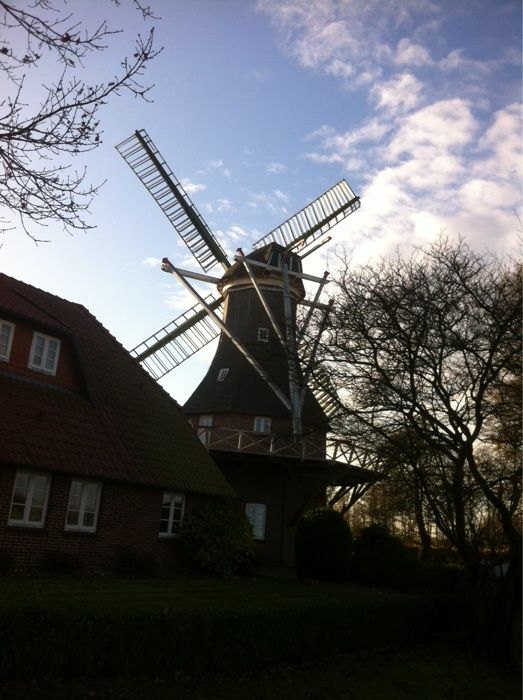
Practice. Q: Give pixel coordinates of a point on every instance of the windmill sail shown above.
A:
(324, 392)
(178, 340)
(315, 219)
(145, 160)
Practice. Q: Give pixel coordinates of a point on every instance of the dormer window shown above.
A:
(222, 374)
(6, 339)
(44, 353)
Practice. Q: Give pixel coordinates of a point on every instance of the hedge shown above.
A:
(56, 642)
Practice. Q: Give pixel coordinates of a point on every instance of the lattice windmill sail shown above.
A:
(268, 281)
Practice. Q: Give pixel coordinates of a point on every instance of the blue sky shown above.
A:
(259, 107)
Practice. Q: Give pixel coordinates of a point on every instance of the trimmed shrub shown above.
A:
(323, 546)
(218, 539)
(59, 563)
(58, 638)
(380, 559)
(129, 562)
(6, 562)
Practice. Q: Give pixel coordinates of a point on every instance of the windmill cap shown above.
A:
(268, 269)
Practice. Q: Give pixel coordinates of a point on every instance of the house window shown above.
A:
(262, 424)
(256, 514)
(6, 338)
(222, 374)
(204, 429)
(29, 499)
(82, 509)
(44, 353)
(263, 335)
(171, 517)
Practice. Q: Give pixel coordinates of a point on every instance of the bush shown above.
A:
(380, 559)
(65, 635)
(6, 562)
(323, 546)
(59, 562)
(218, 539)
(129, 562)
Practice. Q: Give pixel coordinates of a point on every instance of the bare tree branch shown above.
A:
(38, 184)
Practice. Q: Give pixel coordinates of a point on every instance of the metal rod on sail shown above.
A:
(167, 266)
(292, 360)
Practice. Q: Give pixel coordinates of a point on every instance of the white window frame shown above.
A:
(45, 353)
(263, 335)
(262, 425)
(176, 502)
(222, 374)
(257, 516)
(25, 520)
(79, 525)
(204, 428)
(5, 356)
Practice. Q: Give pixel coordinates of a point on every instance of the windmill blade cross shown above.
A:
(315, 219)
(145, 160)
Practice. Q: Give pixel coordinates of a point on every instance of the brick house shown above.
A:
(95, 457)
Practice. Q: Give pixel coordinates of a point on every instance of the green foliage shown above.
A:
(59, 562)
(323, 546)
(6, 562)
(380, 559)
(218, 539)
(154, 628)
(129, 562)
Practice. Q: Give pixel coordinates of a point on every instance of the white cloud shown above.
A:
(324, 158)
(428, 161)
(402, 92)
(443, 125)
(236, 233)
(224, 205)
(502, 144)
(152, 262)
(275, 167)
(340, 69)
(274, 202)
(191, 187)
(408, 53)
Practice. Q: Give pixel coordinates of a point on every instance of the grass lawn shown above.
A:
(408, 674)
(194, 594)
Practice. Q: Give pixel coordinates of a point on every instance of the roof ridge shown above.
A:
(43, 291)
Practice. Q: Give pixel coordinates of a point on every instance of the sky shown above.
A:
(259, 106)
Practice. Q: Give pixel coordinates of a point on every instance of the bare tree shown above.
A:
(419, 347)
(38, 184)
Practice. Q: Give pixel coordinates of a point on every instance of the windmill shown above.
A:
(259, 368)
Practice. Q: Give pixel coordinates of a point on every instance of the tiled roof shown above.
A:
(124, 426)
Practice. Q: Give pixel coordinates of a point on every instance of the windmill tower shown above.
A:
(258, 398)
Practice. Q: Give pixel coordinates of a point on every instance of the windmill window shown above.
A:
(29, 499)
(171, 516)
(44, 353)
(257, 515)
(263, 335)
(262, 424)
(204, 429)
(83, 505)
(222, 374)
(6, 339)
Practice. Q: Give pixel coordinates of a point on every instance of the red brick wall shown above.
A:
(128, 518)
(68, 373)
